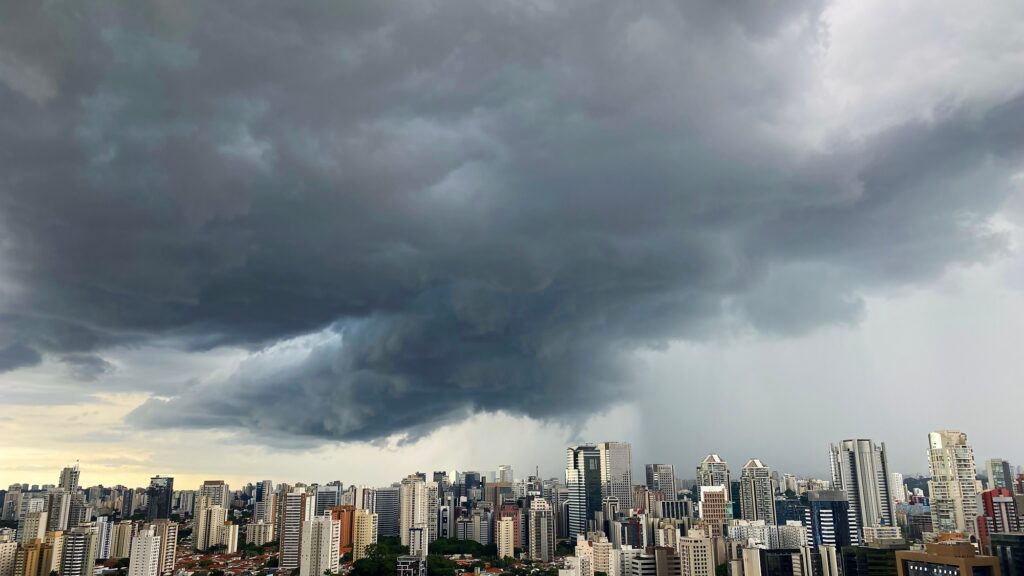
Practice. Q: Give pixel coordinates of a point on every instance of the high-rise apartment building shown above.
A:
(953, 488)
(296, 508)
(79, 555)
(32, 527)
(121, 539)
(757, 492)
(860, 468)
(583, 474)
(167, 531)
(218, 493)
(321, 541)
(58, 510)
(999, 514)
(542, 531)
(504, 535)
(617, 472)
(713, 471)
(661, 477)
(414, 507)
(144, 559)
(69, 478)
(364, 532)
(209, 519)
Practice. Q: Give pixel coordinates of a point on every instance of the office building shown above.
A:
(661, 477)
(617, 472)
(697, 554)
(583, 474)
(953, 488)
(828, 520)
(767, 562)
(945, 559)
(321, 541)
(158, 498)
(874, 559)
(388, 510)
(504, 475)
(757, 492)
(1009, 550)
(714, 509)
(1000, 474)
(327, 497)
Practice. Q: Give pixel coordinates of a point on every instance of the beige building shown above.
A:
(364, 532)
(949, 559)
(953, 488)
(697, 554)
(321, 542)
(259, 533)
(504, 536)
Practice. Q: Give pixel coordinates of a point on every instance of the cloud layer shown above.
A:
(412, 213)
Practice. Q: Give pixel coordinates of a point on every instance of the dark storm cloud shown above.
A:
(18, 355)
(414, 212)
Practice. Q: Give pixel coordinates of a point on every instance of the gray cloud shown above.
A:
(411, 214)
(18, 355)
(86, 367)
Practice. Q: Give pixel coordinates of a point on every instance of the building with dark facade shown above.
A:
(159, 497)
(875, 559)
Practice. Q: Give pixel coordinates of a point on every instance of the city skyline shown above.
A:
(382, 238)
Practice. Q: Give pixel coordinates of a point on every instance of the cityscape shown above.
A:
(603, 518)
(511, 287)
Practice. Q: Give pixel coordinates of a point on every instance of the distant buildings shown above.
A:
(158, 498)
(661, 477)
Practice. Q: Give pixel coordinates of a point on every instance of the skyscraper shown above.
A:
(861, 470)
(661, 477)
(828, 520)
(713, 471)
(953, 488)
(583, 478)
(167, 531)
(158, 498)
(999, 473)
(387, 507)
(757, 492)
(617, 472)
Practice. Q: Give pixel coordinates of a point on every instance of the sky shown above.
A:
(349, 241)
